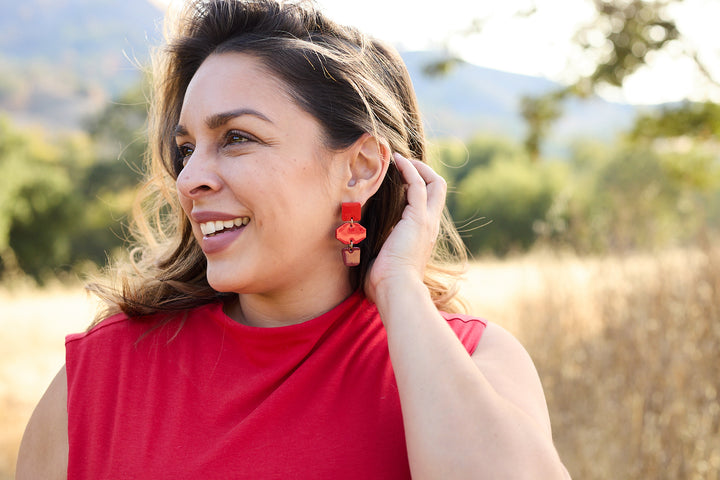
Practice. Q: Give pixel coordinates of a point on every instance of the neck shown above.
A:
(273, 310)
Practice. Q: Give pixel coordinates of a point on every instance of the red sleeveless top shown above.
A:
(218, 399)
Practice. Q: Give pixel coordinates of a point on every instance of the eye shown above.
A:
(183, 153)
(235, 137)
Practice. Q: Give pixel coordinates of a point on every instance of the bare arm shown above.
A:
(44, 447)
(480, 416)
(466, 417)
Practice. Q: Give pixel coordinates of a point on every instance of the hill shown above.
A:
(64, 59)
(473, 99)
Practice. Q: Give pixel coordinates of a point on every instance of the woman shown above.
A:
(289, 320)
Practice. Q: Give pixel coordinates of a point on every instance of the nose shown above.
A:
(198, 177)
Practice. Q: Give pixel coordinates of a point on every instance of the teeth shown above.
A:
(209, 228)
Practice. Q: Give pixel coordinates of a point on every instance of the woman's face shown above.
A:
(261, 191)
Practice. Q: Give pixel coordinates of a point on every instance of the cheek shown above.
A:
(185, 203)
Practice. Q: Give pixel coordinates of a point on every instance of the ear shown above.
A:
(368, 161)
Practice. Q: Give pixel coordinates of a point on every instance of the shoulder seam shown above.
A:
(108, 322)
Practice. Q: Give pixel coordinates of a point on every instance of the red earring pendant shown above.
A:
(351, 233)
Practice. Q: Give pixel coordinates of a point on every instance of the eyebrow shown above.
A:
(219, 119)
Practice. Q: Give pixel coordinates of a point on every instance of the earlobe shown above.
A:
(369, 162)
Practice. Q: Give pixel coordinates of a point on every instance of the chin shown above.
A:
(223, 281)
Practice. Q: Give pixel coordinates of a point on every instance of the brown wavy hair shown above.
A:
(351, 83)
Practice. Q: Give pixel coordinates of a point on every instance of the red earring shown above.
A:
(350, 233)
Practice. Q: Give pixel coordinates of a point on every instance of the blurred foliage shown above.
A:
(631, 195)
(36, 199)
(539, 113)
(697, 120)
(623, 37)
(63, 197)
(627, 201)
(632, 32)
(494, 181)
(657, 186)
(118, 133)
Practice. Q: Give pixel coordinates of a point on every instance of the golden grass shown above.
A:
(33, 325)
(628, 350)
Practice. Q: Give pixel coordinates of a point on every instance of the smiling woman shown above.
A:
(245, 322)
(230, 166)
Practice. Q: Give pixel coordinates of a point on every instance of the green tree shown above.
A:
(632, 31)
(500, 202)
(539, 113)
(700, 121)
(455, 160)
(120, 138)
(38, 203)
(627, 196)
(64, 199)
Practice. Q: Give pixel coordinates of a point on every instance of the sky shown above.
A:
(540, 45)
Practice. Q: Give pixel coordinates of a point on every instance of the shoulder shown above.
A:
(116, 332)
(110, 324)
(44, 447)
(123, 328)
(509, 369)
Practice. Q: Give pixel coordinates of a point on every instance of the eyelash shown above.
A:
(232, 137)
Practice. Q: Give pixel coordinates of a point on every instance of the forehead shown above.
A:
(236, 80)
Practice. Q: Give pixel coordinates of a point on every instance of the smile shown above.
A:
(219, 226)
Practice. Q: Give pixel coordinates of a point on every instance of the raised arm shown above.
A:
(479, 416)
(44, 447)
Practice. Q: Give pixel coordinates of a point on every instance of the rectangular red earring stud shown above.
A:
(351, 211)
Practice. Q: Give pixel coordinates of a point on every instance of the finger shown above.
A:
(417, 190)
(435, 185)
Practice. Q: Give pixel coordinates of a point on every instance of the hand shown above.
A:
(407, 250)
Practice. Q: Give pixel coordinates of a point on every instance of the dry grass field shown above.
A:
(33, 325)
(628, 350)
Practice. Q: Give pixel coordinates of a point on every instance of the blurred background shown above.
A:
(580, 140)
